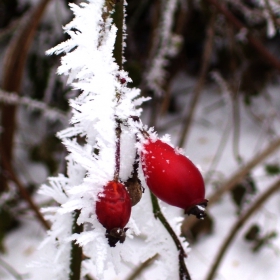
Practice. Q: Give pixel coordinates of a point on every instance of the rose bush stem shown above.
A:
(238, 225)
(183, 271)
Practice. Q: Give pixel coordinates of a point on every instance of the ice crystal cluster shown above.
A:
(166, 46)
(91, 69)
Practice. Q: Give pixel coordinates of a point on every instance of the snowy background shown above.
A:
(230, 126)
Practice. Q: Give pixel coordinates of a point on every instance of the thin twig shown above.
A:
(200, 82)
(183, 271)
(13, 98)
(236, 178)
(118, 17)
(118, 151)
(241, 173)
(219, 152)
(227, 96)
(22, 190)
(181, 23)
(142, 267)
(272, 15)
(238, 225)
(13, 69)
(76, 250)
(236, 126)
(11, 270)
(270, 58)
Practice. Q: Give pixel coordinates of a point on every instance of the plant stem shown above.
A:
(270, 58)
(13, 70)
(11, 270)
(21, 189)
(76, 250)
(183, 271)
(142, 267)
(118, 18)
(118, 151)
(239, 223)
(242, 172)
(236, 178)
(208, 46)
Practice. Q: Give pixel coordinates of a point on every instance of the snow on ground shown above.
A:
(208, 128)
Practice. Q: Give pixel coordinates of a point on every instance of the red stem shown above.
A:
(118, 151)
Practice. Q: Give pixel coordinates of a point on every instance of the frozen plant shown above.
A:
(166, 45)
(101, 141)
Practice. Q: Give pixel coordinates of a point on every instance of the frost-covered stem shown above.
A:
(118, 151)
(76, 251)
(238, 225)
(270, 10)
(13, 98)
(183, 271)
(118, 17)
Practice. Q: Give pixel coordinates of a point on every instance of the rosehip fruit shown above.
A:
(113, 211)
(173, 178)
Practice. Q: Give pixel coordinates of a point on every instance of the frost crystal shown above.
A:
(167, 46)
(91, 142)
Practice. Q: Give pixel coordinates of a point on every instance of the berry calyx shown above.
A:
(135, 189)
(173, 178)
(113, 211)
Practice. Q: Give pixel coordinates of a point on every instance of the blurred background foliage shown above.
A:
(208, 39)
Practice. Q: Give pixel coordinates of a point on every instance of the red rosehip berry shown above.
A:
(113, 211)
(173, 178)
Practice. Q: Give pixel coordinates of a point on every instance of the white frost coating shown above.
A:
(166, 46)
(274, 6)
(91, 68)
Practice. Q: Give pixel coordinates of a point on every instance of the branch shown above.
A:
(183, 271)
(241, 173)
(13, 68)
(118, 17)
(142, 267)
(11, 270)
(22, 190)
(239, 223)
(76, 250)
(15, 58)
(270, 58)
(208, 46)
(12, 98)
(118, 151)
(236, 178)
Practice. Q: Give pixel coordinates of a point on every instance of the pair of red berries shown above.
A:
(171, 176)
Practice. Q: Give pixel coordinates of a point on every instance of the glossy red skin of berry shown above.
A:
(171, 176)
(113, 208)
